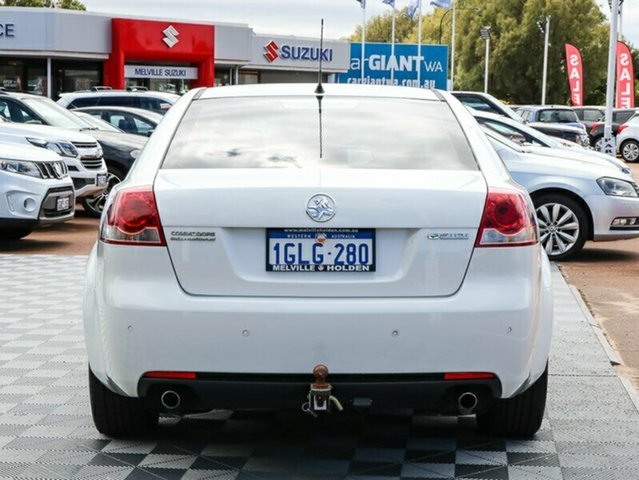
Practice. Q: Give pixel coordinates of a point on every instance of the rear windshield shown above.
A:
(285, 132)
(558, 116)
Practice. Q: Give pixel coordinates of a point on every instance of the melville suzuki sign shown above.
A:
(160, 71)
(273, 51)
(379, 63)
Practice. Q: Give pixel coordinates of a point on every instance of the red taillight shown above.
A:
(594, 127)
(507, 221)
(468, 376)
(172, 375)
(133, 219)
(621, 128)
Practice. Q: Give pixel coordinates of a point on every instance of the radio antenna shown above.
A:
(319, 90)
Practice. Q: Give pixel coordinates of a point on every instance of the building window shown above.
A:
(71, 76)
(24, 75)
(249, 77)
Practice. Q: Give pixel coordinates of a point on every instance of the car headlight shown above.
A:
(20, 167)
(617, 188)
(62, 148)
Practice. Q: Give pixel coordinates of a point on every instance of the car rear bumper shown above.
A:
(431, 392)
(138, 319)
(605, 209)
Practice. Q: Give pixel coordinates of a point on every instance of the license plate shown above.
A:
(101, 180)
(320, 250)
(63, 203)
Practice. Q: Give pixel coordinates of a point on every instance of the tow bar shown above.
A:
(320, 398)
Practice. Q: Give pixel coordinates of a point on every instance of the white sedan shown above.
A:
(577, 197)
(282, 247)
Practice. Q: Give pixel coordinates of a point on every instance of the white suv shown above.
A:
(81, 153)
(158, 102)
(35, 189)
(628, 139)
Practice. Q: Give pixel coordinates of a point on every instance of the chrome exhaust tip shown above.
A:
(467, 402)
(170, 400)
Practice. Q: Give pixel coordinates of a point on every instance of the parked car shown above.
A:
(550, 114)
(628, 140)
(226, 214)
(619, 117)
(530, 134)
(563, 132)
(80, 152)
(97, 123)
(158, 102)
(120, 149)
(484, 102)
(130, 120)
(589, 115)
(35, 190)
(576, 198)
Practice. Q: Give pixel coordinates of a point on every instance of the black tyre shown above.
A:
(118, 416)
(13, 234)
(94, 205)
(630, 150)
(563, 225)
(520, 416)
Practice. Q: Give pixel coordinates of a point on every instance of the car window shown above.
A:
(622, 117)
(83, 102)
(524, 114)
(142, 126)
(53, 114)
(15, 112)
(591, 115)
(579, 112)
(123, 121)
(154, 104)
(557, 116)
(356, 132)
(478, 103)
(118, 101)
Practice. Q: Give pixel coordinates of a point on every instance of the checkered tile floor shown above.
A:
(591, 430)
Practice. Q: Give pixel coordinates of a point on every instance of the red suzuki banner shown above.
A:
(625, 77)
(575, 75)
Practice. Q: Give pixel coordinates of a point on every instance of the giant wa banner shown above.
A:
(379, 63)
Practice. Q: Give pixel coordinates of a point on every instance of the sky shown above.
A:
(290, 17)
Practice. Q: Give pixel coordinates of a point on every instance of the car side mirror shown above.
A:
(517, 138)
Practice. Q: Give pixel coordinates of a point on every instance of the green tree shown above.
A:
(516, 50)
(67, 4)
(379, 29)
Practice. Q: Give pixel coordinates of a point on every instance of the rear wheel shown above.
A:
(630, 150)
(12, 234)
(520, 416)
(116, 415)
(563, 225)
(598, 144)
(94, 205)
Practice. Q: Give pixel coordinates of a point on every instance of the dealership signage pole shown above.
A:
(363, 4)
(608, 143)
(546, 30)
(485, 34)
(452, 49)
(419, 45)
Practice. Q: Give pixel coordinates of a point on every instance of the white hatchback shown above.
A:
(278, 247)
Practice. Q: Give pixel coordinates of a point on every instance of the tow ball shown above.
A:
(320, 398)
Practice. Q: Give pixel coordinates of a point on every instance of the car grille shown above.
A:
(51, 170)
(93, 163)
(85, 144)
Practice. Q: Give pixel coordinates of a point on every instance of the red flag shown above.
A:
(575, 75)
(625, 77)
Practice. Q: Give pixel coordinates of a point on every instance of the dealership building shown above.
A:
(51, 51)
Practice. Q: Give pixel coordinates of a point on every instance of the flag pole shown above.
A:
(419, 45)
(363, 38)
(393, 47)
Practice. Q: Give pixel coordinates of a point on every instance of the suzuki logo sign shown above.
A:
(170, 36)
(272, 51)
